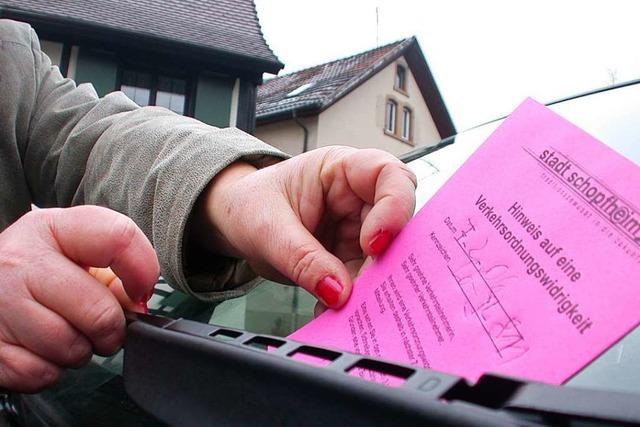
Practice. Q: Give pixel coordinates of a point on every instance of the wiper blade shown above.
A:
(190, 373)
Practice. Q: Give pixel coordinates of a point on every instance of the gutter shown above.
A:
(305, 130)
(304, 110)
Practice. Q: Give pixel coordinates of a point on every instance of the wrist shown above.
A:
(210, 222)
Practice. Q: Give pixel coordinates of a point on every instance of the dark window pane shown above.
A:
(400, 77)
(134, 78)
(137, 86)
(138, 95)
(128, 78)
(164, 84)
(177, 103)
(390, 117)
(179, 86)
(143, 80)
(172, 101)
(406, 125)
(171, 94)
(168, 84)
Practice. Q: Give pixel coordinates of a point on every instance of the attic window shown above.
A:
(406, 123)
(401, 78)
(299, 90)
(390, 116)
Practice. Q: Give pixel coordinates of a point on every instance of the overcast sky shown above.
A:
(486, 56)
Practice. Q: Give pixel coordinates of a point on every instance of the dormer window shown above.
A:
(401, 78)
(390, 116)
(297, 91)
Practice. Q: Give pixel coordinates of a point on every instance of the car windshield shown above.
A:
(612, 116)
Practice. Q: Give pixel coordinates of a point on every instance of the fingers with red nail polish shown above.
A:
(390, 204)
(328, 290)
(380, 242)
(142, 307)
(299, 256)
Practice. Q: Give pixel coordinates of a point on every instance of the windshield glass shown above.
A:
(612, 116)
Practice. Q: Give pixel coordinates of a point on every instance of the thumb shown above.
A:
(99, 237)
(299, 256)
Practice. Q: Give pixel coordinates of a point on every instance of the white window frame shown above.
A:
(401, 78)
(391, 111)
(406, 123)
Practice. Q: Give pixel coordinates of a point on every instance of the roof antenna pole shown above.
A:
(377, 28)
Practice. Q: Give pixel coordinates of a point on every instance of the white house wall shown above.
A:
(288, 136)
(358, 118)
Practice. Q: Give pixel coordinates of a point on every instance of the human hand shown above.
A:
(311, 219)
(53, 313)
(108, 278)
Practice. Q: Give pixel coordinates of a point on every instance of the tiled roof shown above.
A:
(327, 82)
(230, 26)
(314, 89)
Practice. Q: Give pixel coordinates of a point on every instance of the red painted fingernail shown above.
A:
(146, 297)
(143, 307)
(329, 290)
(380, 242)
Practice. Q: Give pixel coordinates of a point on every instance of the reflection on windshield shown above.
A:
(612, 116)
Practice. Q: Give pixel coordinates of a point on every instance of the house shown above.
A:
(384, 98)
(200, 58)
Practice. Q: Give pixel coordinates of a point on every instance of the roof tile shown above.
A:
(227, 25)
(327, 81)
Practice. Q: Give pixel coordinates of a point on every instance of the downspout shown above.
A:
(305, 141)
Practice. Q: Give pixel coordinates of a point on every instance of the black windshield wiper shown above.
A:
(189, 373)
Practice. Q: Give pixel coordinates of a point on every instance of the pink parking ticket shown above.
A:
(525, 263)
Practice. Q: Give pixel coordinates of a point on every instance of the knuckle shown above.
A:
(78, 352)
(42, 217)
(333, 154)
(376, 156)
(404, 169)
(123, 231)
(330, 150)
(47, 377)
(395, 169)
(303, 258)
(107, 321)
(65, 346)
(42, 227)
(375, 152)
(36, 215)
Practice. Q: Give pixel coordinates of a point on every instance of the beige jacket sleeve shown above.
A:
(147, 163)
